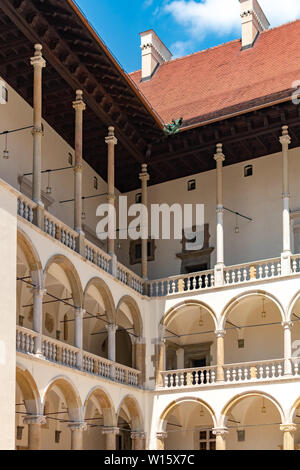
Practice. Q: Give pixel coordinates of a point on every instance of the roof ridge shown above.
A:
(219, 45)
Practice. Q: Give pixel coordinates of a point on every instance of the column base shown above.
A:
(286, 268)
(39, 216)
(80, 243)
(219, 275)
(113, 269)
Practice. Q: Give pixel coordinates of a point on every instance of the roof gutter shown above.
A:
(238, 113)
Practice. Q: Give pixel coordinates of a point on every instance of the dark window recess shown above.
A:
(248, 171)
(95, 182)
(5, 94)
(241, 343)
(70, 159)
(138, 198)
(191, 185)
(138, 251)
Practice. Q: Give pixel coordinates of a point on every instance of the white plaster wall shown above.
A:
(8, 253)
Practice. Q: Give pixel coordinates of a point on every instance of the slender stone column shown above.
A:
(38, 63)
(220, 355)
(38, 295)
(138, 440)
(79, 107)
(285, 141)
(34, 431)
(180, 358)
(220, 434)
(111, 141)
(287, 326)
(79, 313)
(112, 329)
(77, 430)
(219, 268)
(140, 358)
(288, 436)
(161, 438)
(110, 434)
(144, 177)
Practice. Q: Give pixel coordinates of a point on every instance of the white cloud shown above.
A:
(222, 17)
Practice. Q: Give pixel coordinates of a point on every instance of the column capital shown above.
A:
(77, 426)
(111, 328)
(287, 324)
(220, 431)
(289, 427)
(79, 104)
(162, 435)
(35, 420)
(111, 139)
(220, 333)
(219, 156)
(79, 311)
(285, 138)
(39, 291)
(138, 435)
(37, 60)
(144, 175)
(113, 430)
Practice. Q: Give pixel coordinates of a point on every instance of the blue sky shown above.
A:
(185, 26)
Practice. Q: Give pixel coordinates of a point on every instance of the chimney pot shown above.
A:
(254, 21)
(154, 53)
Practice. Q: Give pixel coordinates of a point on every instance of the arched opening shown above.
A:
(27, 403)
(254, 329)
(129, 330)
(99, 414)
(64, 293)
(129, 420)
(100, 311)
(190, 341)
(295, 330)
(253, 422)
(28, 274)
(188, 425)
(61, 407)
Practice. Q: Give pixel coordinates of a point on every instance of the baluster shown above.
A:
(228, 375)
(227, 278)
(272, 270)
(26, 212)
(294, 266)
(21, 209)
(177, 380)
(166, 381)
(273, 370)
(296, 368)
(261, 372)
(278, 269)
(212, 377)
(239, 275)
(212, 280)
(27, 343)
(22, 342)
(267, 372)
(245, 275)
(267, 271)
(240, 375)
(234, 375)
(18, 341)
(280, 370)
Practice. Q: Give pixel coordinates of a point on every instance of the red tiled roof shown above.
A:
(224, 79)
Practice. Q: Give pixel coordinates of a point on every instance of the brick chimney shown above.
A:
(154, 53)
(254, 21)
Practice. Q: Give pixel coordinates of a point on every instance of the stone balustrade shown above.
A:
(67, 355)
(233, 373)
(174, 285)
(261, 370)
(189, 377)
(61, 232)
(25, 340)
(25, 208)
(248, 272)
(182, 284)
(130, 279)
(97, 256)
